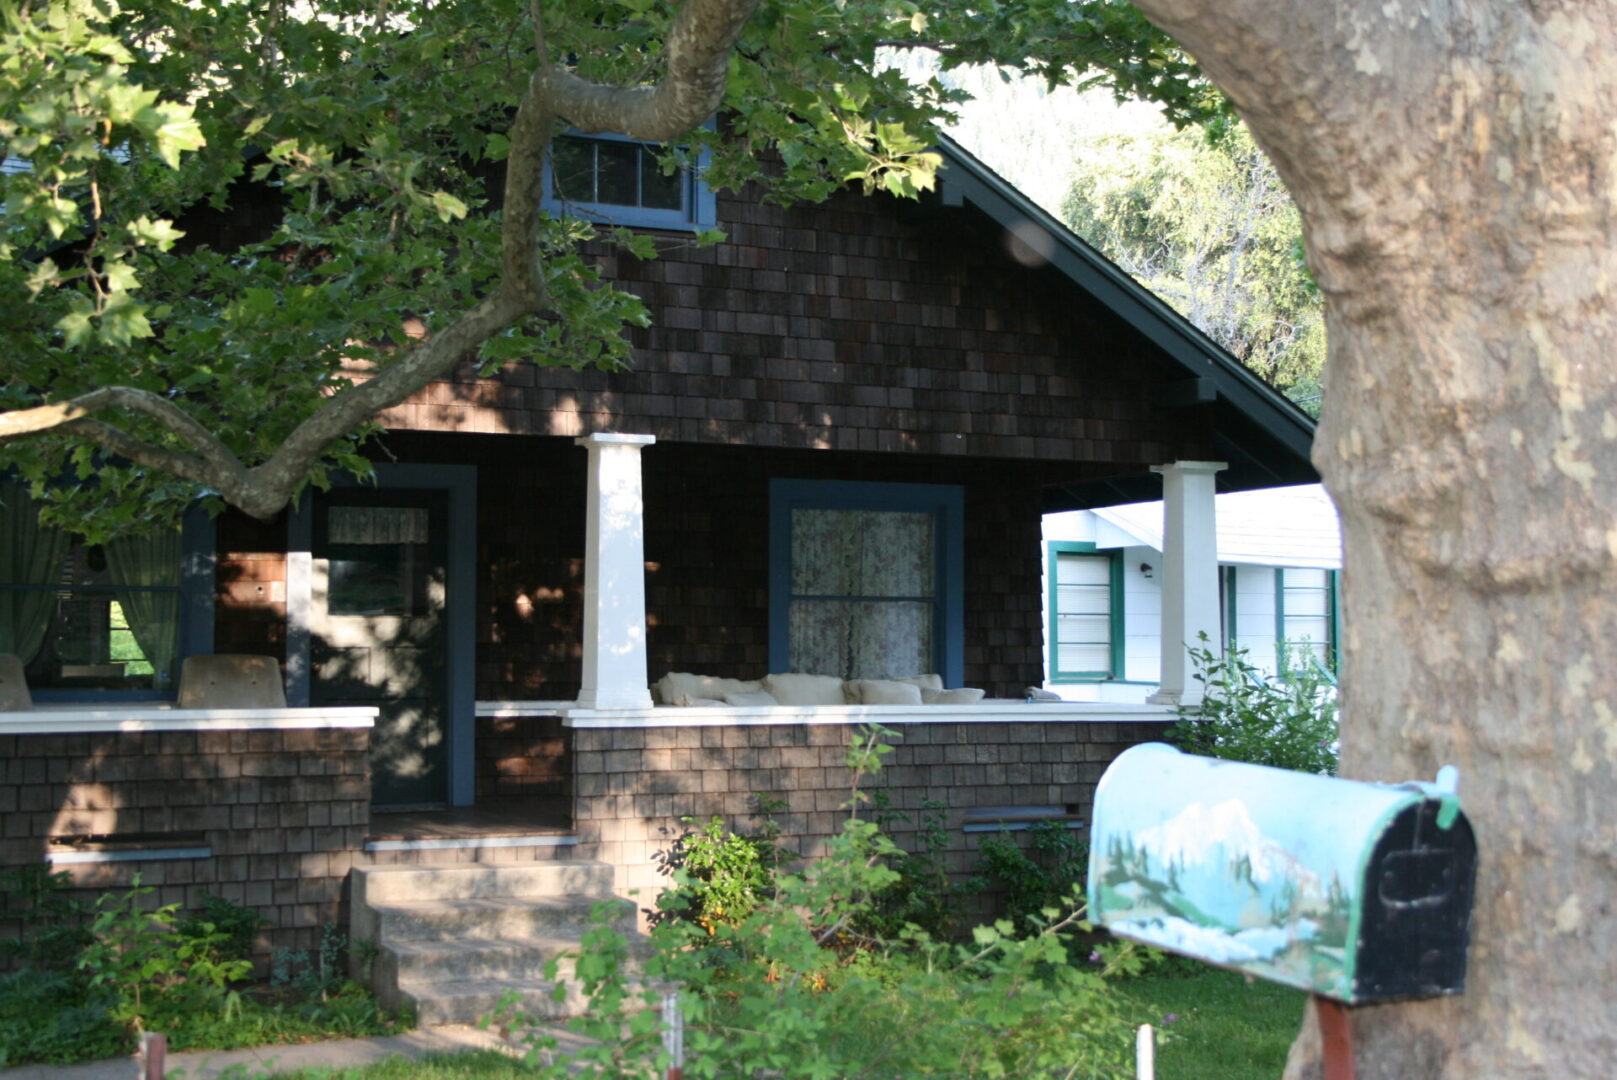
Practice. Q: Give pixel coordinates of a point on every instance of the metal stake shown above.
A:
(153, 1049)
(1336, 1037)
(673, 1025)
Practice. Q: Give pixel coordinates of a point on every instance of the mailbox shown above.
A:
(1353, 891)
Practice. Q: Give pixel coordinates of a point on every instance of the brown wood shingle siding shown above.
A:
(853, 325)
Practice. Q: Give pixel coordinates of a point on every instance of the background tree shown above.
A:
(377, 169)
(1455, 166)
(1200, 217)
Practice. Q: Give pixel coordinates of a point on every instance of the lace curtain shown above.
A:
(863, 583)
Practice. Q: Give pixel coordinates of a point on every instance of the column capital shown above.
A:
(1197, 468)
(613, 438)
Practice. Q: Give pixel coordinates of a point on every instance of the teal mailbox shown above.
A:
(1353, 891)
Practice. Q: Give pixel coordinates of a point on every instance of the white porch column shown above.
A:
(1189, 575)
(614, 577)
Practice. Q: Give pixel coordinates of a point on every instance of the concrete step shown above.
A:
(399, 884)
(484, 958)
(466, 1001)
(486, 917)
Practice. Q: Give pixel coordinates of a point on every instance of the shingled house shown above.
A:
(832, 455)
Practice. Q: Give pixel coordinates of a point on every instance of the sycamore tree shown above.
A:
(370, 175)
(1455, 166)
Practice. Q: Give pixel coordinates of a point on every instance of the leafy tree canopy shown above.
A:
(359, 184)
(1203, 220)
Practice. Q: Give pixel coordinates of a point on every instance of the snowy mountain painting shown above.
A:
(1242, 866)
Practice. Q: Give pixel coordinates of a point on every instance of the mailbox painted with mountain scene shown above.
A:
(1357, 892)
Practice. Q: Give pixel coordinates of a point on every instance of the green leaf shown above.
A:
(449, 208)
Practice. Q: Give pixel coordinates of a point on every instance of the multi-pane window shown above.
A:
(1278, 615)
(1085, 613)
(88, 617)
(865, 579)
(1305, 615)
(617, 181)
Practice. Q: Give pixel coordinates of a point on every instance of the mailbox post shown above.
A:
(1352, 891)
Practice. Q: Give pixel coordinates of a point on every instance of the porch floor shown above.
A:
(516, 816)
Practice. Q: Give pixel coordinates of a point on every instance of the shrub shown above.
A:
(1042, 875)
(231, 926)
(51, 918)
(719, 875)
(155, 974)
(1286, 721)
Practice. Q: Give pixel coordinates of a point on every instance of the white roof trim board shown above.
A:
(1290, 526)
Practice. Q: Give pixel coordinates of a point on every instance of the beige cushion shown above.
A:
(14, 694)
(228, 681)
(925, 682)
(751, 697)
(685, 688)
(882, 692)
(969, 695)
(798, 689)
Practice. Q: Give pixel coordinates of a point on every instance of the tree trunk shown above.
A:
(1454, 165)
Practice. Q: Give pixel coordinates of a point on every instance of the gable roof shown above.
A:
(1262, 435)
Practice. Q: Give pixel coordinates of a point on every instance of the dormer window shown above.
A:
(617, 181)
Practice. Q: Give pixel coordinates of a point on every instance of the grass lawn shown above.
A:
(1223, 1028)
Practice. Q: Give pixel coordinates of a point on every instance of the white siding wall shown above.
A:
(1255, 614)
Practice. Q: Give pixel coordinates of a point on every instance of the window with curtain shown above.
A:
(1086, 613)
(81, 616)
(865, 579)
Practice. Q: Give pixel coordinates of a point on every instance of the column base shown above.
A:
(622, 699)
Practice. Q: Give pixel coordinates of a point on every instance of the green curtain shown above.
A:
(154, 617)
(30, 554)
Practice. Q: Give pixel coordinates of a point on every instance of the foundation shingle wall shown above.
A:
(636, 785)
(284, 813)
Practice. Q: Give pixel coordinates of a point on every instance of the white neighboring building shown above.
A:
(1279, 553)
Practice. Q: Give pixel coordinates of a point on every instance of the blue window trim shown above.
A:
(701, 209)
(946, 502)
(1115, 566)
(197, 563)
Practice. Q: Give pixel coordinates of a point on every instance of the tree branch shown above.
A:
(69, 415)
(698, 50)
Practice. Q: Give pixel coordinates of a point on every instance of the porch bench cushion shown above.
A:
(686, 688)
(882, 692)
(795, 688)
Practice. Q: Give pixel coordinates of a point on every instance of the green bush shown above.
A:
(95, 976)
(156, 975)
(51, 917)
(230, 926)
(1287, 721)
(1041, 875)
(719, 875)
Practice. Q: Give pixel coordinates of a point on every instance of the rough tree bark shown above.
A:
(1454, 165)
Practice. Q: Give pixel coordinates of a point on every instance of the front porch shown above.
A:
(272, 808)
